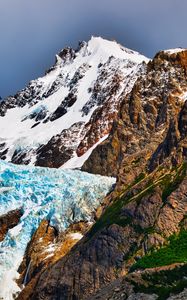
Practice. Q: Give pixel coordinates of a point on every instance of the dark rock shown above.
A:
(63, 108)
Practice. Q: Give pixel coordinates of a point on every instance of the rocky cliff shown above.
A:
(145, 117)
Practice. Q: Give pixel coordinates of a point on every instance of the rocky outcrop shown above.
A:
(127, 287)
(87, 268)
(8, 221)
(60, 148)
(46, 247)
(174, 144)
(147, 119)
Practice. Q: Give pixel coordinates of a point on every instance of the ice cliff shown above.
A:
(62, 196)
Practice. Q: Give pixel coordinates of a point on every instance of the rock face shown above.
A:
(8, 221)
(127, 286)
(63, 115)
(45, 248)
(150, 116)
(89, 267)
(146, 150)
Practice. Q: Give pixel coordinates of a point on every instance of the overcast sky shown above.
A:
(33, 31)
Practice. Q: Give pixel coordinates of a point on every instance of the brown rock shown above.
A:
(173, 212)
(8, 221)
(144, 117)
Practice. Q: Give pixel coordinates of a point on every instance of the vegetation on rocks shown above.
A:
(163, 282)
(174, 252)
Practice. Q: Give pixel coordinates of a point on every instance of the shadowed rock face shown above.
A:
(127, 287)
(60, 148)
(89, 266)
(8, 221)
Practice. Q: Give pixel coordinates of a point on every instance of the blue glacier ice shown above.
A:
(62, 196)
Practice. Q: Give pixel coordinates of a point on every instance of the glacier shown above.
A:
(61, 196)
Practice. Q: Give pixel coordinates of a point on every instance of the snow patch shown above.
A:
(77, 162)
(176, 50)
(76, 236)
(8, 285)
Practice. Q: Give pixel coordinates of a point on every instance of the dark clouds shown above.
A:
(32, 31)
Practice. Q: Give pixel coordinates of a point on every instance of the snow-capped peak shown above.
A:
(99, 49)
(104, 48)
(71, 108)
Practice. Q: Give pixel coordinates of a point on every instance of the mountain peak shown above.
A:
(104, 47)
(79, 94)
(99, 49)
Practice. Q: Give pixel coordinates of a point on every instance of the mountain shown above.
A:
(58, 119)
(135, 247)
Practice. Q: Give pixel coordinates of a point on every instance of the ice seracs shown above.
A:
(61, 196)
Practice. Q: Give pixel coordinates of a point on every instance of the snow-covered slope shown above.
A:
(65, 113)
(63, 197)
